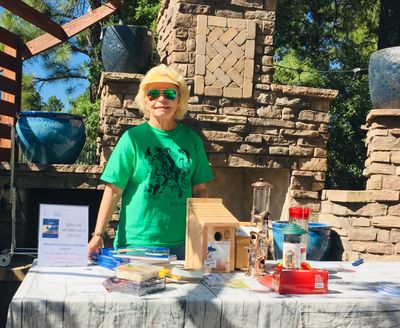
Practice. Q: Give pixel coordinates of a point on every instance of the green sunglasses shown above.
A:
(170, 94)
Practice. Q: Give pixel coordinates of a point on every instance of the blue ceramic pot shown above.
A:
(384, 78)
(50, 137)
(127, 48)
(318, 241)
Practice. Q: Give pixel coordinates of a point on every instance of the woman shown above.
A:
(154, 167)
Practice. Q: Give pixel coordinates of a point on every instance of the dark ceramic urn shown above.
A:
(127, 48)
(384, 78)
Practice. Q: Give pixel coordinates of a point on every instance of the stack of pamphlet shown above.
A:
(137, 279)
(137, 273)
(106, 259)
(145, 254)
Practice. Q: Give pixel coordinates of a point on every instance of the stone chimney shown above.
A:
(251, 128)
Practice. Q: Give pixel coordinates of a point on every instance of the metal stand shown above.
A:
(7, 254)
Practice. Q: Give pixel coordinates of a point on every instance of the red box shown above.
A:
(310, 281)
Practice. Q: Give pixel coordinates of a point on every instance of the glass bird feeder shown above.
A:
(261, 198)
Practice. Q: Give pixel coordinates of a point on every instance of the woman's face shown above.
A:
(159, 100)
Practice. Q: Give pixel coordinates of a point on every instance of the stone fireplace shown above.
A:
(251, 127)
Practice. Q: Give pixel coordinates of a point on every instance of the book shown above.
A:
(147, 259)
(144, 251)
(135, 272)
(105, 259)
(187, 275)
(153, 285)
(145, 254)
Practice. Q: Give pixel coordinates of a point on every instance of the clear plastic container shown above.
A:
(300, 216)
(291, 252)
(292, 234)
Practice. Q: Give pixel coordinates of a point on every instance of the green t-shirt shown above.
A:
(156, 169)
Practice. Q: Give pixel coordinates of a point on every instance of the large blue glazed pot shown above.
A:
(318, 241)
(50, 137)
(127, 48)
(384, 78)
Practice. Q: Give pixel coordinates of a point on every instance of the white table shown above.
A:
(74, 297)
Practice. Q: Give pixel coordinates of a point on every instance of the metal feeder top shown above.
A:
(293, 229)
(260, 184)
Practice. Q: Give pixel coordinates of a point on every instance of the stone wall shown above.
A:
(367, 223)
(224, 49)
(242, 134)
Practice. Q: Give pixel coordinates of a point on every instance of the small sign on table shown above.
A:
(63, 235)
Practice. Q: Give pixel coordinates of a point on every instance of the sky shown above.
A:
(58, 89)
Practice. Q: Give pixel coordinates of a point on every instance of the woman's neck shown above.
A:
(162, 125)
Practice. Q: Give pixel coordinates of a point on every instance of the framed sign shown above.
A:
(63, 233)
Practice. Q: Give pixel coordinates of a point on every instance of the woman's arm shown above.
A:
(199, 191)
(109, 202)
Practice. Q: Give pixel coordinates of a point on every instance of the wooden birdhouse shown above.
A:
(210, 235)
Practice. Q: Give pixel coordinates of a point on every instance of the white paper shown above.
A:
(218, 255)
(244, 231)
(63, 234)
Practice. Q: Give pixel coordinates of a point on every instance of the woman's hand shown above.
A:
(94, 245)
(200, 191)
(109, 201)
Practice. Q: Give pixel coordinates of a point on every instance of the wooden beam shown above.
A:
(116, 3)
(5, 154)
(47, 41)
(35, 17)
(9, 62)
(9, 38)
(5, 131)
(9, 86)
(10, 103)
(14, 98)
(8, 108)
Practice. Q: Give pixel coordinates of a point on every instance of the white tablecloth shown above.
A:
(74, 297)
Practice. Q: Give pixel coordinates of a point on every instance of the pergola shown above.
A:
(16, 51)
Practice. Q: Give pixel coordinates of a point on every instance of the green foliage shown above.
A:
(140, 12)
(146, 13)
(291, 70)
(53, 105)
(321, 36)
(20, 26)
(30, 98)
(90, 112)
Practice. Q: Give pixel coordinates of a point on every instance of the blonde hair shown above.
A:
(168, 73)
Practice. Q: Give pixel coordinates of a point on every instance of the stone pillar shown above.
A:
(118, 110)
(382, 167)
(366, 223)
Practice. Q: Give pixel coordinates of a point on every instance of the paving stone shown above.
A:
(251, 30)
(214, 34)
(248, 69)
(223, 50)
(250, 49)
(217, 21)
(201, 44)
(236, 23)
(228, 64)
(202, 28)
(213, 91)
(228, 35)
(232, 92)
